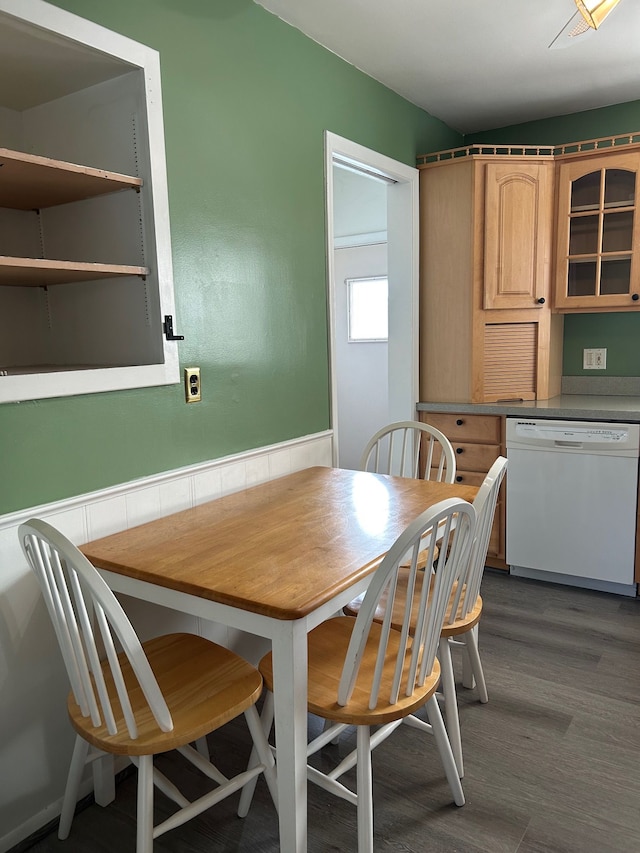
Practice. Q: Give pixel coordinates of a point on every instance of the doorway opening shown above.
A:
(372, 232)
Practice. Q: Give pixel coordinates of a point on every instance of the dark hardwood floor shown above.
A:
(552, 761)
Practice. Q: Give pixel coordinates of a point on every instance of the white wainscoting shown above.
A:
(35, 736)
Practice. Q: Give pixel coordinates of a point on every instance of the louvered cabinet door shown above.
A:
(510, 361)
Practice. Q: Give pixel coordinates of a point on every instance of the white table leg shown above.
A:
(290, 695)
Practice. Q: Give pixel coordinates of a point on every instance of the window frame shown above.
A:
(349, 286)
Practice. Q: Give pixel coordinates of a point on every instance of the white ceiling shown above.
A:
(479, 64)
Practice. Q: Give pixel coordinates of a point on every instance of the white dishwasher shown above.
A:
(572, 489)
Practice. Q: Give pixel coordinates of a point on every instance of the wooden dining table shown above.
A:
(274, 560)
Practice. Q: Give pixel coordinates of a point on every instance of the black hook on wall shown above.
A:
(168, 329)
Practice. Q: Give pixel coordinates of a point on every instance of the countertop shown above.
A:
(565, 406)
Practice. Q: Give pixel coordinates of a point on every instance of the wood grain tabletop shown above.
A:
(281, 548)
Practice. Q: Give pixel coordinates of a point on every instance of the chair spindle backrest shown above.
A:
(485, 502)
(396, 449)
(416, 648)
(77, 599)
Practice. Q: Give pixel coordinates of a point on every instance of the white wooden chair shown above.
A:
(367, 673)
(399, 448)
(465, 609)
(147, 699)
(396, 449)
(463, 612)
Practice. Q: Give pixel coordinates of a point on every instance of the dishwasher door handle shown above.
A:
(577, 444)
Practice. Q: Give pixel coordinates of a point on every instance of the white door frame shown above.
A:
(403, 231)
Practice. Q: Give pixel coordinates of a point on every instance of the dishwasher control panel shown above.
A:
(580, 436)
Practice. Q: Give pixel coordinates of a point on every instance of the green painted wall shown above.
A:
(590, 124)
(619, 333)
(246, 101)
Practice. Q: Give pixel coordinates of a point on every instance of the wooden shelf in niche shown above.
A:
(49, 368)
(35, 272)
(30, 182)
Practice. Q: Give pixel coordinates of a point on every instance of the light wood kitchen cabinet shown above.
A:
(486, 329)
(518, 199)
(598, 232)
(477, 441)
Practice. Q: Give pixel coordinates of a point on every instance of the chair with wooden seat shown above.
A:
(401, 448)
(146, 699)
(463, 611)
(370, 674)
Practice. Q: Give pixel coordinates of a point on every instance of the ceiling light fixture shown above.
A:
(595, 11)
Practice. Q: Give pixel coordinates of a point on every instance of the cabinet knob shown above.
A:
(635, 297)
(459, 450)
(541, 301)
(458, 479)
(459, 422)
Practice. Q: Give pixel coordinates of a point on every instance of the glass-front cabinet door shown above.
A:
(598, 230)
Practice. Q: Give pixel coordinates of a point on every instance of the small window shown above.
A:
(368, 309)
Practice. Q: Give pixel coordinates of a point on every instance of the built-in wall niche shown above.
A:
(85, 262)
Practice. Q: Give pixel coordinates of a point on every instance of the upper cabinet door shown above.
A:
(518, 213)
(598, 230)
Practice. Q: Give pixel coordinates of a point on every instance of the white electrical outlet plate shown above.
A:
(594, 359)
(192, 387)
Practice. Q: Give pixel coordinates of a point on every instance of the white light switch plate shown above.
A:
(594, 359)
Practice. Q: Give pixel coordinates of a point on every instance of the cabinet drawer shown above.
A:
(482, 428)
(469, 478)
(496, 547)
(475, 457)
